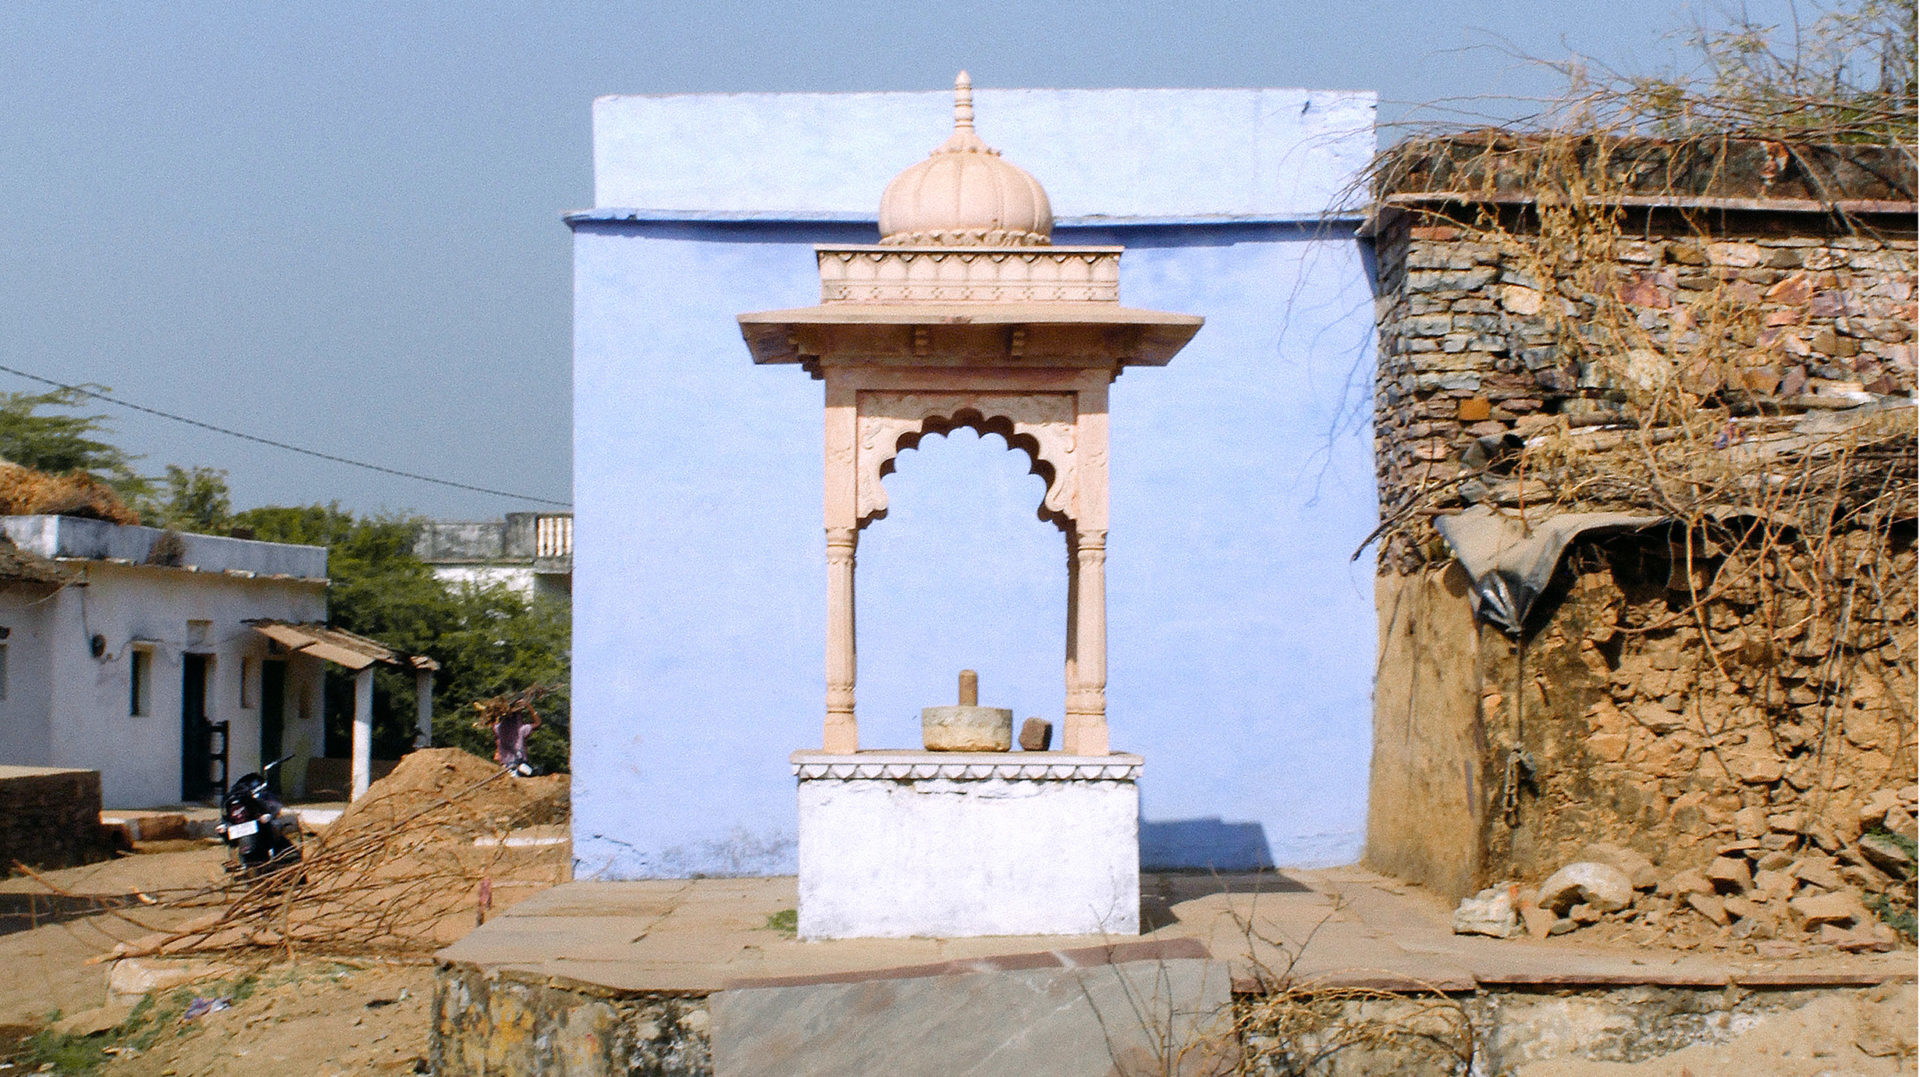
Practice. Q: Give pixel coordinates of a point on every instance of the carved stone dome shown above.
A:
(965, 194)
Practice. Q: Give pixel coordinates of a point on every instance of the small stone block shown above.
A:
(160, 826)
(1708, 906)
(1036, 735)
(1730, 875)
(1475, 409)
(1539, 921)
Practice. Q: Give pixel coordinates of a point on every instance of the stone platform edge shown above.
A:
(1244, 985)
(904, 766)
(1117, 953)
(526, 975)
(1472, 982)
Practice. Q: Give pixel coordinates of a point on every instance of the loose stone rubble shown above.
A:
(1494, 911)
(1769, 900)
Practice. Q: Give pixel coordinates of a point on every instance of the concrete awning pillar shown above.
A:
(362, 732)
(423, 708)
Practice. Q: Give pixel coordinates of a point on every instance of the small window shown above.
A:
(140, 681)
(3, 671)
(249, 685)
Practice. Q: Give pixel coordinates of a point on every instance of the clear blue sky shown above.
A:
(339, 224)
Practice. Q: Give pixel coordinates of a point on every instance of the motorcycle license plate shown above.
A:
(242, 830)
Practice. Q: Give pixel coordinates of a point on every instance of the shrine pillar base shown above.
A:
(950, 844)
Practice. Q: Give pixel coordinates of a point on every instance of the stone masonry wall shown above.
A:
(50, 818)
(1467, 350)
(1755, 764)
(495, 1023)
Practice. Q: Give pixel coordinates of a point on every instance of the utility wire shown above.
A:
(84, 391)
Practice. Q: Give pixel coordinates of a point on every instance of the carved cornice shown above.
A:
(820, 767)
(933, 274)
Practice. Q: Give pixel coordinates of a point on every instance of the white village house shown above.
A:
(529, 553)
(170, 662)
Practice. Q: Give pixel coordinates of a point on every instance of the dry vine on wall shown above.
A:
(1641, 309)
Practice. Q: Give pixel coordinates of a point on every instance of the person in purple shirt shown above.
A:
(513, 720)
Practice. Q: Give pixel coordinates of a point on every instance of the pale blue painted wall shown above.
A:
(1241, 637)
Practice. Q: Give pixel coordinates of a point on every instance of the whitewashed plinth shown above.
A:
(946, 844)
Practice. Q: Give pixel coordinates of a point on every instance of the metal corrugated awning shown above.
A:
(336, 645)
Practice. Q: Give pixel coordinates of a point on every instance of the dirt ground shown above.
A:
(345, 1014)
(318, 1019)
(313, 1017)
(331, 1017)
(47, 969)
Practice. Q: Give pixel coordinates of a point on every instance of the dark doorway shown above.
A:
(273, 716)
(196, 733)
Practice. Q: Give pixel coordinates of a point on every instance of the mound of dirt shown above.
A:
(458, 793)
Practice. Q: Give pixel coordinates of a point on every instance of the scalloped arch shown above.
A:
(1040, 424)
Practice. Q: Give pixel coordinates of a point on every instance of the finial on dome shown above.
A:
(962, 102)
(964, 194)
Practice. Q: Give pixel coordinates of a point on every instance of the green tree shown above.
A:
(63, 441)
(196, 500)
(502, 642)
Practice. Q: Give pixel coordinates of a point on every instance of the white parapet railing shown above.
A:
(553, 535)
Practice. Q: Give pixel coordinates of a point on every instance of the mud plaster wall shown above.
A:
(1426, 796)
(1628, 731)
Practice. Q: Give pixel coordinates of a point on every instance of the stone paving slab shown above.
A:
(1342, 926)
(1144, 1016)
(1086, 957)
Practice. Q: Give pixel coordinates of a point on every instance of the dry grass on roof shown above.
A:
(26, 492)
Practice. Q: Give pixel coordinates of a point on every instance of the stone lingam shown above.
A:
(967, 726)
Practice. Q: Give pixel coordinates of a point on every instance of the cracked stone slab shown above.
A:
(1167, 1015)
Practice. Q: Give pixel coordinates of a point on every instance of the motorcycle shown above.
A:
(249, 824)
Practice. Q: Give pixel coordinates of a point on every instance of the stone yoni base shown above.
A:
(946, 844)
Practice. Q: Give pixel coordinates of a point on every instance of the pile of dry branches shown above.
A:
(408, 869)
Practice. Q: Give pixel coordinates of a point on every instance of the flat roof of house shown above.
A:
(75, 539)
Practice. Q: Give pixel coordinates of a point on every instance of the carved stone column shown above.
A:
(1086, 732)
(1073, 619)
(842, 732)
